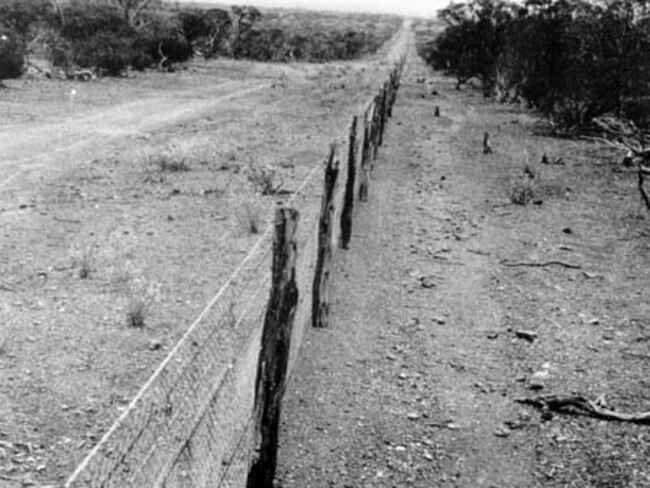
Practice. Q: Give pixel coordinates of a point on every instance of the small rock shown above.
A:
(482, 388)
(527, 335)
(535, 385)
(492, 335)
(155, 345)
(547, 415)
(567, 230)
(439, 320)
(413, 416)
(427, 282)
(502, 432)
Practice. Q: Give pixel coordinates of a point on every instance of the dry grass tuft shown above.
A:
(265, 181)
(249, 218)
(6, 334)
(522, 191)
(140, 298)
(84, 260)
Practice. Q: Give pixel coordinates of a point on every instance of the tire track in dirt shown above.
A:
(26, 152)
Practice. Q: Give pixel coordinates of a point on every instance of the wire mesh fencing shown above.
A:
(197, 422)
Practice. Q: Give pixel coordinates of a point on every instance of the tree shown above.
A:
(245, 18)
(195, 25)
(12, 55)
(132, 10)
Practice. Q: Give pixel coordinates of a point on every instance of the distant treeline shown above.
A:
(573, 60)
(109, 37)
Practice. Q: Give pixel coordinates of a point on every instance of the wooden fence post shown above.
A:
(320, 304)
(391, 93)
(366, 150)
(274, 354)
(348, 203)
(382, 113)
(375, 126)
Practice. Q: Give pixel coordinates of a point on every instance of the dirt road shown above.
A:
(59, 144)
(434, 336)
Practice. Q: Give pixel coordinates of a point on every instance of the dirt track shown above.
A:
(415, 382)
(46, 145)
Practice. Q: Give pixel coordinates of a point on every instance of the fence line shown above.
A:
(199, 420)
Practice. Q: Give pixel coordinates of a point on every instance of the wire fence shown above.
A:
(196, 421)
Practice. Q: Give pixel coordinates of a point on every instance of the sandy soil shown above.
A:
(94, 227)
(415, 382)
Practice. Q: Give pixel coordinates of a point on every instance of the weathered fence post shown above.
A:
(348, 202)
(276, 342)
(320, 304)
(391, 93)
(376, 126)
(366, 150)
(383, 100)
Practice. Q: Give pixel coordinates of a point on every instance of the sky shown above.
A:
(422, 8)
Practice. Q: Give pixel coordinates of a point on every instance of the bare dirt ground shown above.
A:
(86, 188)
(415, 382)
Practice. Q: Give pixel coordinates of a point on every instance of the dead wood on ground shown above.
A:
(580, 405)
(541, 264)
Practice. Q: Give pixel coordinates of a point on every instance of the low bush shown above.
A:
(12, 55)
(572, 61)
(112, 37)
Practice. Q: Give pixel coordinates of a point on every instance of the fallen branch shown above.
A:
(541, 264)
(579, 405)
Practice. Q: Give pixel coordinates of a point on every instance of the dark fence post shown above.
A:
(276, 343)
(348, 203)
(320, 304)
(382, 113)
(376, 128)
(366, 149)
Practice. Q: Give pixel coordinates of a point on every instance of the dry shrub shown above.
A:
(170, 160)
(265, 181)
(140, 298)
(84, 258)
(522, 191)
